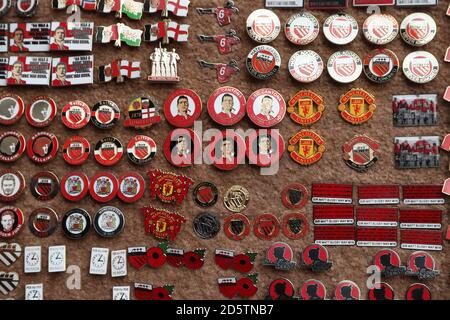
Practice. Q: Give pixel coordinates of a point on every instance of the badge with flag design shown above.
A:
(107, 6)
(29, 37)
(142, 113)
(71, 36)
(132, 9)
(3, 37)
(166, 30)
(119, 69)
(132, 37)
(88, 5)
(71, 71)
(28, 70)
(108, 34)
(179, 8)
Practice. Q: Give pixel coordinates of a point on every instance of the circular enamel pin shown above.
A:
(422, 265)
(44, 185)
(266, 226)
(417, 292)
(263, 62)
(381, 291)
(76, 150)
(75, 114)
(357, 106)
(420, 66)
(109, 222)
(131, 187)
(142, 112)
(5, 5)
(236, 199)
(313, 290)
(306, 107)
(280, 256)
(108, 151)
(264, 147)
(26, 8)
(266, 107)
(294, 225)
(302, 28)
(103, 187)
(206, 225)
(380, 65)
(205, 194)
(344, 66)
(380, 28)
(305, 66)
(360, 153)
(226, 106)
(281, 289)
(418, 29)
(12, 146)
(236, 226)
(43, 222)
(228, 150)
(315, 258)
(12, 219)
(74, 186)
(388, 263)
(181, 147)
(12, 185)
(76, 223)
(105, 114)
(347, 290)
(141, 149)
(41, 111)
(263, 25)
(182, 108)
(340, 28)
(42, 147)
(306, 147)
(11, 108)
(294, 196)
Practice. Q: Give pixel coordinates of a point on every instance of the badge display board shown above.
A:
(349, 262)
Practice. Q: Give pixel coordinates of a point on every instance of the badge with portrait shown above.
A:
(29, 37)
(414, 110)
(71, 36)
(3, 37)
(416, 152)
(29, 71)
(71, 71)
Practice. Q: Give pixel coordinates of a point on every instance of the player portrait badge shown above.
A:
(226, 150)
(182, 108)
(360, 153)
(141, 113)
(306, 107)
(182, 147)
(226, 106)
(264, 147)
(357, 106)
(306, 147)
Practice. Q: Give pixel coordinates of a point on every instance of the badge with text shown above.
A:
(284, 4)
(378, 194)
(71, 36)
(335, 235)
(99, 261)
(357, 106)
(360, 153)
(168, 187)
(228, 259)
(280, 256)
(332, 4)
(29, 37)
(162, 224)
(421, 239)
(34, 292)
(71, 71)
(376, 237)
(306, 107)
(29, 71)
(142, 112)
(423, 194)
(332, 193)
(376, 217)
(420, 219)
(227, 150)
(333, 214)
(306, 147)
(227, 106)
(121, 293)
(182, 108)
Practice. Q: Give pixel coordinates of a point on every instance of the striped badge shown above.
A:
(9, 253)
(8, 282)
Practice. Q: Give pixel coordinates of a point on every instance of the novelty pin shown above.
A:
(162, 224)
(142, 112)
(164, 65)
(29, 37)
(223, 14)
(8, 282)
(306, 107)
(119, 33)
(26, 70)
(224, 42)
(306, 147)
(71, 71)
(316, 258)
(330, 235)
(313, 290)
(166, 30)
(280, 256)
(193, 260)
(415, 110)
(360, 153)
(281, 289)
(347, 290)
(228, 259)
(149, 292)
(12, 146)
(357, 106)
(178, 8)
(244, 287)
(119, 69)
(224, 71)
(71, 36)
(168, 187)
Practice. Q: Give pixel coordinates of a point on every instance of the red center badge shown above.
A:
(294, 225)
(227, 151)
(421, 265)
(236, 226)
(381, 291)
(131, 187)
(315, 257)
(76, 114)
(168, 187)
(280, 256)
(108, 151)
(226, 106)
(313, 290)
(266, 226)
(42, 147)
(76, 150)
(360, 153)
(357, 106)
(181, 147)
(264, 147)
(182, 108)
(74, 186)
(281, 289)
(142, 113)
(162, 224)
(418, 291)
(41, 111)
(103, 187)
(306, 107)
(266, 107)
(306, 147)
(141, 149)
(347, 290)
(11, 108)
(388, 263)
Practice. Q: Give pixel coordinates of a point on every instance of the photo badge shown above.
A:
(226, 150)
(71, 71)
(71, 36)
(415, 110)
(182, 108)
(182, 147)
(29, 37)
(264, 147)
(417, 152)
(29, 71)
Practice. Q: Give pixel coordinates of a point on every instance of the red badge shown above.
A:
(74, 186)
(281, 289)
(149, 292)
(227, 259)
(294, 225)
(137, 257)
(418, 291)
(422, 194)
(41, 111)
(378, 194)
(223, 71)
(333, 214)
(76, 150)
(226, 106)
(422, 265)
(280, 256)
(332, 193)
(306, 107)
(168, 187)
(360, 153)
(156, 256)
(376, 237)
(141, 149)
(12, 220)
(244, 287)
(76, 114)
(108, 151)
(142, 112)
(42, 147)
(162, 224)
(420, 219)
(313, 290)
(12, 185)
(381, 291)
(347, 290)
(266, 226)
(223, 15)
(193, 260)
(103, 187)
(236, 226)
(294, 196)
(357, 106)
(131, 187)
(388, 263)
(12, 146)
(316, 258)
(264, 147)
(226, 151)
(447, 92)
(182, 108)
(225, 42)
(335, 235)
(421, 240)
(11, 108)
(306, 147)
(44, 185)
(182, 147)
(376, 217)
(266, 107)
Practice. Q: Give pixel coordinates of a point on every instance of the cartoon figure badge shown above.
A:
(168, 187)
(164, 65)
(224, 71)
(224, 42)
(418, 291)
(347, 290)
(223, 14)
(162, 224)
(280, 256)
(306, 147)
(142, 113)
(360, 153)
(357, 106)
(388, 262)
(306, 107)
(182, 108)
(281, 289)
(421, 265)
(315, 257)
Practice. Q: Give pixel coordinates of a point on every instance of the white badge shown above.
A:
(32, 261)
(121, 293)
(26, 70)
(3, 37)
(34, 292)
(57, 259)
(284, 3)
(118, 263)
(99, 261)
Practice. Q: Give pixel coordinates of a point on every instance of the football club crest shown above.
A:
(162, 224)
(141, 113)
(306, 107)
(306, 147)
(236, 226)
(168, 187)
(357, 106)
(360, 153)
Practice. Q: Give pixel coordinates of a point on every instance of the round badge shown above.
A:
(26, 8)
(206, 225)
(76, 115)
(76, 150)
(43, 222)
(41, 111)
(226, 106)
(280, 252)
(74, 186)
(105, 114)
(281, 289)
(381, 291)
(109, 222)
(131, 187)
(141, 149)
(315, 257)
(182, 147)
(380, 28)
(44, 185)
(418, 29)
(263, 25)
(313, 290)
(302, 28)
(142, 112)
(387, 259)
(266, 107)
(380, 65)
(12, 146)
(266, 226)
(228, 151)
(294, 225)
(11, 219)
(305, 66)
(419, 260)
(108, 151)
(418, 291)
(12, 185)
(340, 28)
(236, 199)
(205, 194)
(11, 109)
(5, 5)
(103, 187)
(76, 223)
(236, 226)
(420, 66)
(347, 290)
(264, 147)
(344, 66)
(42, 147)
(263, 62)
(294, 196)
(182, 108)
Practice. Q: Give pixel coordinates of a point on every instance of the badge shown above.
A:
(105, 114)
(381, 291)
(44, 185)
(264, 147)
(306, 107)
(332, 193)
(193, 260)
(28, 71)
(103, 187)
(420, 219)
(418, 29)
(380, 65)
(72, 71)
(281, 289)
(149, 292)
(109, 222)
(226, 106)
(205, 194)
(119, 69)
(76, 150)
(162, 224)
(283, 4)
(360, 153)
(76, 223)
(347, 290)
(422, 194)
(313, 290)
(294, 225)
(263, 62)
(166, 30)
(8, 282)
(266, 226)
(12, 219)
(29, 37)
(26, 8)
(107, 34)
(294, 196)
(236, 199)
(12, 185)
(418, 291)
(168, 187)
(56, 259)
(305, 66)
(340, 28)
(179, 8)
(182, 108)
(414, 110)
(32, 259)
(4, 7)
(422, 265)
(99, 261)
(141, 149)
(420, 67)
(380, 29)
(4, 35)
(302, 28)
(224, 42)
(40, 112)
(412, 239)
(357, 106)
(206, 225)
(131, 187)
(223, 71)
(43, 222)
(137, 257)
(11, 109)
(329, 235)
(344, 66)
(119, 263)
(409, 3)
(306, 147)
(280, 256)
(182, 147)
(368, 3)
(327, 5)
(12, 146)
(263, 26)
(376, 217)
(244, 287)
(376, 237)
(227, 151)
(10, 253)
(316, 258)
(236, 226)
(333, 214)
(164, 65)
(417, 152)
(223, 14)
(388, 263)
(142, 113)
(75, 115)
(108, 151)
(266, 107)
(157, 256)
(71, 36)
(228, 259)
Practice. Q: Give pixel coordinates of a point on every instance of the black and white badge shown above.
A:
(118, 263)
(99, 261)
(57, 259)
(34, 291)
(32, 260)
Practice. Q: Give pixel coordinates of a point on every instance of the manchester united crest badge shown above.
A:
(168, 187)
(162, 224)
(357, 106)
(306, 147)
(306, 107)
(360, 153)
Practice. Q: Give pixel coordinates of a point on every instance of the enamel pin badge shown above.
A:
(178, 8)
(306, 147)
(225, 42)
(224, 71)
(223, 14)
(306, 107)
(360, 153)
(164, 65)
(357, 106)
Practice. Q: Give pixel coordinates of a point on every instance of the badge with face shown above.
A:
(281, 289)
(266, 107)
(11, 221)
(12, 185)
(182, 108)
(42, 147)
(41, 111)
(422, 265)
(381, 291)
(12, 146)
(228, 150)
(313, 290)
(226, 106)
(264, 147)
(280, 256)
(315, 258)
(181, 147)
(11, 108)
(347, 290)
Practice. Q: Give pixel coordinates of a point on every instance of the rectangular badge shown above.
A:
(420, 219)
(57, 259)
(378, 194)
(376, 217)
(376, 237)
(416, 3)
(118, 263)
(72, 71)
(333, 214)
(121, 293)
(327, 4)
(417, 152)
(414, 110)
(32, 261)
(284, 4)
(423, 194)
(99, 261)
(3, 71)
(34, 291)
(24, 71)
(4, 37)
(421, 239)
(366, 3)
(29, 37)
(332, 193)
(71, 36)
(334, 235)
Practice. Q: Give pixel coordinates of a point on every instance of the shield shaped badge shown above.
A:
(357, 107)
(305, 108)
(306, 147)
